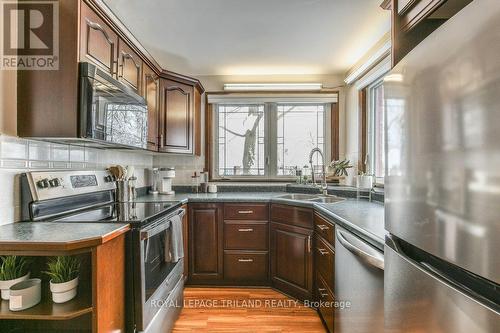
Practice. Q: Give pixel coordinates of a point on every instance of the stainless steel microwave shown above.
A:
(110, 112)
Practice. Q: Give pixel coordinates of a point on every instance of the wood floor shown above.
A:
(244, 310)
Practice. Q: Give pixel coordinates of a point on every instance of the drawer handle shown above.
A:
(322, 292)
(245, 260)
(323, 252)
(245, 230)
(245, 212)
(323, 227)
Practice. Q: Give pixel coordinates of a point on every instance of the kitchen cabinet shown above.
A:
(98, 42)
(225, 248)
(246, 244)
(205, 243)
(176, 117)
(324, 261)
(151, 90)
(292, 260)
(48, 100)
(413, 20)
(129, 66)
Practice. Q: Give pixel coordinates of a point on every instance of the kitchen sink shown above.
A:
(331, 199)
(298, 196)
(311, 197)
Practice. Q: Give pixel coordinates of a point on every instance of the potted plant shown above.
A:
(63, 272)
(13, 269)
(338, 170)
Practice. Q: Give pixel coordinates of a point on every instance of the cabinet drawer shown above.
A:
(325, 229)
(325, 261)
(239, 235)
(258, 212)
(325, 296)
(291, 215)
(246, 268)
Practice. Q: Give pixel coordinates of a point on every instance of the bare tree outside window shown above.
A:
(241, 140)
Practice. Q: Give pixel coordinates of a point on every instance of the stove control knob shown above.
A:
(108, 179)
(54, 182)
(43, 183)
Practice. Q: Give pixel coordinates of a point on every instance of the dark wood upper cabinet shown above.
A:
(129, 66)
(292, 260)
(48, 101)
(413, 20)
(205, 224)
(177, 117)
(151, 90)
(98, 42)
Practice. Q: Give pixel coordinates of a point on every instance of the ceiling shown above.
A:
(254, 37)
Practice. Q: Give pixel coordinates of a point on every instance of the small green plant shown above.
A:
(13, 267)
(63, 269)
(340, 167)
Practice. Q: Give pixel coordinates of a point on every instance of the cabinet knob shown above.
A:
(323, 227)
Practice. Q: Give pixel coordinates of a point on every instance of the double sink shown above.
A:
(311, 197)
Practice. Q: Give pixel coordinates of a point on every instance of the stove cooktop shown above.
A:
(127, 212)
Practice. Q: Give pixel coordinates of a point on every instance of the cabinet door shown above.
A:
(98, 42)
(129, 66)
(291, 260)
(205, 243)
(176, 133)
(151, 94)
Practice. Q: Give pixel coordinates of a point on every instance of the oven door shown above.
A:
(111, 111)
(156, 274)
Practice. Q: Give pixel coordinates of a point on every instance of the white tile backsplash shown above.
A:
(19, 155)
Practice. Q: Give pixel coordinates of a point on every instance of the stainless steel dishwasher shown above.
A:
(359, 285)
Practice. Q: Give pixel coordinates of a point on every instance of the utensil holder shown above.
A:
(122, 191)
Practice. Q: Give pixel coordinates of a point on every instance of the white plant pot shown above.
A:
(5, 285)
(63, 292)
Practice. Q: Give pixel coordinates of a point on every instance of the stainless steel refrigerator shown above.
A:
(442, 121)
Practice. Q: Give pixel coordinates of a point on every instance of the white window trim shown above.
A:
(370, 137)
(270, 132)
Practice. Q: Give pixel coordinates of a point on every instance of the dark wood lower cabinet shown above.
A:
(325, 298)
(246, 267)
(205, 243)
(292, 260)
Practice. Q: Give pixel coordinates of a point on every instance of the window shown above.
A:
(267, 140)
(376, 141)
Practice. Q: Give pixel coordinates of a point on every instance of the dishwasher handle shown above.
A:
(362, 250)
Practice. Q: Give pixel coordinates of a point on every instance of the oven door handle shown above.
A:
(148, 233)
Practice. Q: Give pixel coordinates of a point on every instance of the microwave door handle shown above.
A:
(368, 255)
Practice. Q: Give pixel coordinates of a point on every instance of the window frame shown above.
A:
(370, 131)
(270, 145)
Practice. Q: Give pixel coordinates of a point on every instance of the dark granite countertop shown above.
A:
(57, 236)
(360, 216)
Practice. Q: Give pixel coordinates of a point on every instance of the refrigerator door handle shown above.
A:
(367, 253)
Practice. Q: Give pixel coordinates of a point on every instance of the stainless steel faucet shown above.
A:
(324, 186)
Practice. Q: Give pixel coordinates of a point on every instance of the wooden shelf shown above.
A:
(48, 310)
